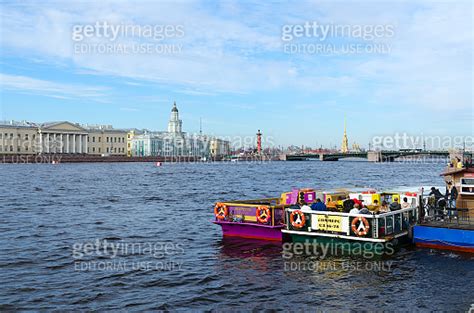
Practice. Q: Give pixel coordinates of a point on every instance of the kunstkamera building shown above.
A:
(175, 142)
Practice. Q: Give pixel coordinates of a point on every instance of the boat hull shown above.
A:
(352, 245)
(251, 231)
(444, 238)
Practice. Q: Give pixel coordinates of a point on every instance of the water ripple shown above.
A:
(47, 211)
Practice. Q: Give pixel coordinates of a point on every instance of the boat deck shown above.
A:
(453, 224)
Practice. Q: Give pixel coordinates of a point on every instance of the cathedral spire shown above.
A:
(345, 141)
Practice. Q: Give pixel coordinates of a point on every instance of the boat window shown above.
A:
(467, 181)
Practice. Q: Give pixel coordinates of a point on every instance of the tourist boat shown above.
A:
(453, 228)
(260, 218)
(371, 230)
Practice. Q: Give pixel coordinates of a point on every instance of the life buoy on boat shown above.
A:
(263, 214)
(221, 211)
(360, 226)
(297, 219)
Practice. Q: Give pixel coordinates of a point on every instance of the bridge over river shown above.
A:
(371, 156)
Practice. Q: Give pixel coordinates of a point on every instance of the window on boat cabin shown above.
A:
(467, 181)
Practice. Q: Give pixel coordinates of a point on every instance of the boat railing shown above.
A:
(440, 211)
(263, 201)
(391, 223)
(379, 225)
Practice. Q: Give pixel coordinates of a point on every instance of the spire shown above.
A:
(174, 109)
(345, 141)
(174, 124)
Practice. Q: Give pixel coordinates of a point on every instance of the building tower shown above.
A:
(259, 142)
(345, 141)
(175, 124)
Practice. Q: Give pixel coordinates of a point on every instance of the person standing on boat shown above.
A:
(319, 205)
(375, 205)
(384, 207)
(394, 206)
(364, 211)
(355, 210)
(359, 202)
(405, 204)
(348, 205)
(451, 195)
(436, 193)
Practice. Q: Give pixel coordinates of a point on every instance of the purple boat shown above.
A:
(258, 219)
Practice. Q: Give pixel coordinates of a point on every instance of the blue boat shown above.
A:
(448, 221)
(444, 238)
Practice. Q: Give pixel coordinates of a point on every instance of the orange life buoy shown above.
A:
(360, 226)
(221, 211)
(263, 214)
(299, 221)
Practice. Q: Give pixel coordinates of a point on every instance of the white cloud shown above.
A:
(51, 89)
(236, 48)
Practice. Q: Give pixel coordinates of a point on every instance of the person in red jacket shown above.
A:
(359, 202)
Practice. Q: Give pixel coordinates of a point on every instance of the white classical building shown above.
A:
(175, 142)
(60, 138)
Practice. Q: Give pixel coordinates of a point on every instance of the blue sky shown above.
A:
(232, 71)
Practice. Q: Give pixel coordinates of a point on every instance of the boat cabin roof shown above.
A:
(458, 171)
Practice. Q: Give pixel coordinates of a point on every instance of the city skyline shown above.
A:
(234, 72)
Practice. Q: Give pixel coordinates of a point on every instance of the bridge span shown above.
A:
(371, 156)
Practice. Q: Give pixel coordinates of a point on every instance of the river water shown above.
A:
(138, 237)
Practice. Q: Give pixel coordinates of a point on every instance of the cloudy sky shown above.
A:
(393, 67)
